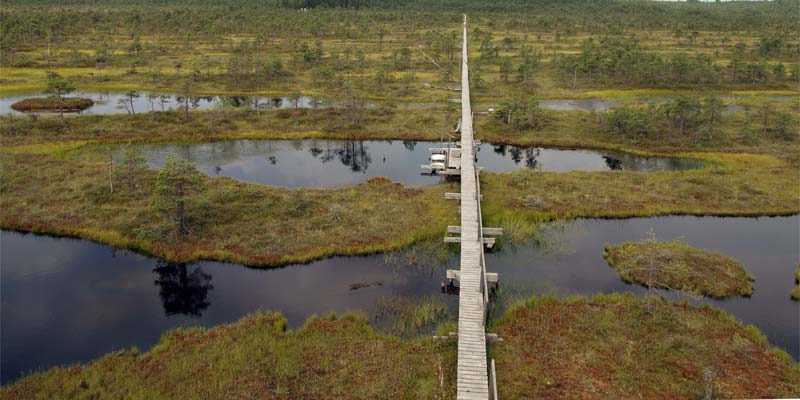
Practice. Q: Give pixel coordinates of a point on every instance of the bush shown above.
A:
(630, 122)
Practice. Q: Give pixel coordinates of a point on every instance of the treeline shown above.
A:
(696, 118)
(250, 16)
(300, 4)
(620, 60)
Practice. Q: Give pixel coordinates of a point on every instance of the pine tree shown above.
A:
(177, 183)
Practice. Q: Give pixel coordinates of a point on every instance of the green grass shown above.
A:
(796, 291)
(330, 357)
(676, 265)
(409, 317)
(614, 347)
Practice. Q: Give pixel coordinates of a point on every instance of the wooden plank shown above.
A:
(452, 239)
(454, 196)
(486, 231)
(453, 274)
(492, 231)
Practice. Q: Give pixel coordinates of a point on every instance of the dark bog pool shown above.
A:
(68, 300)
(332, 163)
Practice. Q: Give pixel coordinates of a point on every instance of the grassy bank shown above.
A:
(171, 126)
(328, 358)
(796, 291)
(230, 221)
(740, 185)
(612, 347)
(676, 265)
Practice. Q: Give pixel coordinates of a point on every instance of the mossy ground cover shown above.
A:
(677, 265)
(328, 358)
(614, 347)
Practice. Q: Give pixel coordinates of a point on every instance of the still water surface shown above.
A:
(109, 103)
(69, 300)
(333, 163)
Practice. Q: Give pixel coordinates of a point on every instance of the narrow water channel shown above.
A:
(333, 163)
(69, 300)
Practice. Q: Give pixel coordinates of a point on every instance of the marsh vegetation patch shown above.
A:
(677, 265)
(614, 347)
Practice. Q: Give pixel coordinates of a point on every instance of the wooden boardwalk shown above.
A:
(473, 379)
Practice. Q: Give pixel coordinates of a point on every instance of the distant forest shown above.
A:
(38, 18)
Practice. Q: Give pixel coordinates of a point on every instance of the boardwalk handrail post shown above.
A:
(492, 382)
(484, 283)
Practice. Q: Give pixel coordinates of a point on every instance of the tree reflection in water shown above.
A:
(352, 154)
(531, 153)
(315, 151)
(183, 289)
(516, 154)
(613, 163)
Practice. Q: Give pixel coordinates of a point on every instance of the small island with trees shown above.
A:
(679, 266)
(59, 87)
